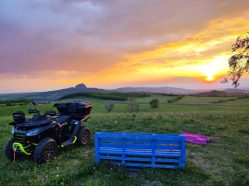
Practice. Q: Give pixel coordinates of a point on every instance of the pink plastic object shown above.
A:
(197, 138)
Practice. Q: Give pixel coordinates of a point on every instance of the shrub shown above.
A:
(109, 106)
(133, 106)
(9, 104)
(154, 103)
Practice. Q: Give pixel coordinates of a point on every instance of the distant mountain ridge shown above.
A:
(237, 91)
(165, 90)
(57, 94)
(52, 95)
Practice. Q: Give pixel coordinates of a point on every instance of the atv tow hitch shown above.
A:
(20, 147)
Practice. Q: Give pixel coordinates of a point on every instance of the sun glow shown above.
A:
(210, 77)
(214, 68)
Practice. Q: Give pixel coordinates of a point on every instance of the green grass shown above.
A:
(222, 162)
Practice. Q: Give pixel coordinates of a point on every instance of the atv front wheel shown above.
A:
(45, 150)
(83, 137)
(9, 152)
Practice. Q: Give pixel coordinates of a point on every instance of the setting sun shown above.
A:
(213, 68)
(210, 77)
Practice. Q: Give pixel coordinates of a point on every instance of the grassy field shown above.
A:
(202, 100)
(222, 162)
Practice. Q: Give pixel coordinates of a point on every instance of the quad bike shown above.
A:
(42, 135)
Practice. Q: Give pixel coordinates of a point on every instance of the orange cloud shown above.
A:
(203, 55)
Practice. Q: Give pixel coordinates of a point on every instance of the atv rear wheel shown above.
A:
(83, 137)
(9, 152)
(45, 150)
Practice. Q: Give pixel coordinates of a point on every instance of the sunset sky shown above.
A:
(52, 44)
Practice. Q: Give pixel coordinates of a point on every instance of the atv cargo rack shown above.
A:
(77, 110)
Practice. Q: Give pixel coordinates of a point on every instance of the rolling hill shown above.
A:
(81, 88)
(52, 95)
(164, 90)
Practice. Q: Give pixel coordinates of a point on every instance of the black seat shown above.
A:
(62, 119)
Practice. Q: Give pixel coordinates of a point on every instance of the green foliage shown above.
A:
(239, 61)
(246, 96)
(109, 106)
(117, 96)
(154, 103)
(222, 101)
(13, 102)
(176, 99)
(9, 104)
(206, 100)
(214, 93)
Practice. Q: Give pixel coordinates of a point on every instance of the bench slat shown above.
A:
(139, 159)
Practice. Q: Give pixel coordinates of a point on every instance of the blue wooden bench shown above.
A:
(138, 150)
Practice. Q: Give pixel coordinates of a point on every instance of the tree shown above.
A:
(239, 61)
(154, 103)
(133, 106)
(109, 106)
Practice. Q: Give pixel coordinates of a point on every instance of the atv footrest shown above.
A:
(69, 142)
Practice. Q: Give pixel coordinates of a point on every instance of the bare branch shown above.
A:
(239, 61)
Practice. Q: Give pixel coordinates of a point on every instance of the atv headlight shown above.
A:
(13, 130)
(33, 132)
(76, 122)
